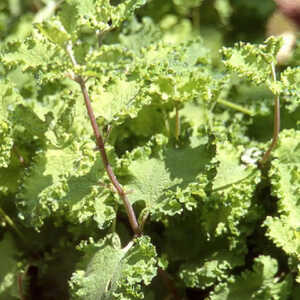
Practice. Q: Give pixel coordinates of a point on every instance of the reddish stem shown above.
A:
(168, 283)
(100, 143)
(276, 121)
(20, 286)
(276, 130)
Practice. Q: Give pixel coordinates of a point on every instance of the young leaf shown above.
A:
(253, 62)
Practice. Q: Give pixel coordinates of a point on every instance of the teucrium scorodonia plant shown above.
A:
(130, 150)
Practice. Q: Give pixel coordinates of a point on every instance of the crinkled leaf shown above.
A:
(167, 183)
(253, 62)
(96, 15)
(114, 272)
(290, 80)
(6, 144)
(232, 191)
(120, 99)
(261, 283)
(285, 179)
(55, 32)
(63, 180)
(210, 269)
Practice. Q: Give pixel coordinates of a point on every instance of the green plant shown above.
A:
(130, 150)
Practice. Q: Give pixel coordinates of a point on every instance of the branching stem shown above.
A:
(100, 143)
(276, 122)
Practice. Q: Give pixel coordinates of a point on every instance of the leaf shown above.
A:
(285, 180)
(209, 269)
(65, 181)
(253, 62)
(136, 36)
(6, 144)
(151, 180)
(167, 184)
(230, 170)
(232, 190)
(260, 283)
(116, 273)
(121, 99)
(290, 80)
(32, 53)
(96, 15)
(55, 32)
(9, 99)
(178, 72)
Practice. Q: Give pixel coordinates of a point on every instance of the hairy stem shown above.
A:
(276, 122)
(100, 143)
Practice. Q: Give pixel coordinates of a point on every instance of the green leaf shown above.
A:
(233, 187)
(167, 184)
(290, 80)
(261, 283)
(65, 181)
(121, 99)
(114, 272)
(55, 32)
(253, 62)
(9, 99)
(150, 180)
(285, 180)
(96, 15)
(31, 53)
(6, 144)
(209, 269)
(178, 72)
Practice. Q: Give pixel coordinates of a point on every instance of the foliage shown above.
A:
(184, 111)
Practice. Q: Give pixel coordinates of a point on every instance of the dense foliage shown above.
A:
(183, 95)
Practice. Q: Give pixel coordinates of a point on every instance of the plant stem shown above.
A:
(177, 124)
(167, 125)
(276, 122)
(236, 107)
(100, 143)
(20, 286)
(168, 283)
(11, 223)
